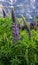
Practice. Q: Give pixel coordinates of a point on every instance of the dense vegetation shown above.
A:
(25, 52)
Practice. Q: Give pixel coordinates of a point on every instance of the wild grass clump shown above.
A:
(25, 52)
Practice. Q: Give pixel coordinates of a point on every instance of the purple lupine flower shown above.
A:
(3, 13)
(16, 35)
(31, 25)
(15, 30)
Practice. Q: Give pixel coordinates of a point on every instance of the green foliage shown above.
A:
(5, 30)
(25, 52)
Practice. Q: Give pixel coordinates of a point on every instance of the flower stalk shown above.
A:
(26, 27)
(4, 15)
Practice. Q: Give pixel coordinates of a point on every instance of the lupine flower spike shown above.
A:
(15, 29)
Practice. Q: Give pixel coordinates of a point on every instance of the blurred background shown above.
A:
(28, 8)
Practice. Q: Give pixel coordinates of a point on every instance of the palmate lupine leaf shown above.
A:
(15, 29)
